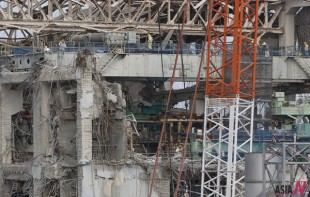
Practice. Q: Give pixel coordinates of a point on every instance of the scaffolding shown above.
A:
(286, 164)
(230, 93)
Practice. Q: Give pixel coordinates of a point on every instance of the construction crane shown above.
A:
(230, 93)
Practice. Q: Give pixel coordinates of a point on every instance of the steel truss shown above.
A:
(230, 93)
(24, 17)
(227, 122)
(285, 164)
(235, 75)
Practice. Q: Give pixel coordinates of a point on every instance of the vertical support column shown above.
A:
(8, 107)
(220, 163)
(90, 12)
(85, 94)
(9, 9)
(41, 128)
(70, 10)
(118, 129)
(110, 10)
(252, 125)
(6, 135)
(50, 9)
(264, 171)
(283, 165)
(168, 11)
(41, 118)
(286, 20)
(188, 13)
(225, 121)
(149, 11)
(30, 7)
(231, 152)
(129, 11)
(237, 123)
(266, 13)
(204, 155)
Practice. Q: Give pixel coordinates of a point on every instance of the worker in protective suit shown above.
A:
(306, 48)
(62, 45)
(149, 41)
(265, 49)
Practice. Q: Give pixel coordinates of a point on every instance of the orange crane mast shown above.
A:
(230, 93)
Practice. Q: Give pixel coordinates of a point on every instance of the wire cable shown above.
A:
(189, 126)
(161, 46)
(168, 102)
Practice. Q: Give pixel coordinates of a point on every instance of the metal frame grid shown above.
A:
(231, 82)
(285, 163)
(229, 119)
(50, 16)
(235, 75)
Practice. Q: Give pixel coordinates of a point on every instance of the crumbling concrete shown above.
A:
(41, 129)
(118, 129)
(11, 103)
(85, 94)
(74, 113)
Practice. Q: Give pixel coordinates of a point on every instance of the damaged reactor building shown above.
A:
(108, 98)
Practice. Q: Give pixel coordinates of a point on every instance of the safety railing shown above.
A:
(154, 48)
(289, 51)
(263, 135)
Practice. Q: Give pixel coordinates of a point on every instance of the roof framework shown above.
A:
(22, 18)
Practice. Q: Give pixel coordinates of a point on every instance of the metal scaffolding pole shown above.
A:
(229, 128)
(230, 93)
(287, 165)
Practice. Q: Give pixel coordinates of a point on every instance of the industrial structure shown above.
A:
(230, 94)
(154, 98)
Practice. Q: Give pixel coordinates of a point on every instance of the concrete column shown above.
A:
(85, 94)
(11, 102)
(7, 187)
(118, 129)
(41, 129)
(286, 20)
(41, 118)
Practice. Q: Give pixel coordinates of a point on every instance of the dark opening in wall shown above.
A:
(22, 134)
(19, 188)
(101, 146)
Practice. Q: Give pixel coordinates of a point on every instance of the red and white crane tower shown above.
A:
(230, 93)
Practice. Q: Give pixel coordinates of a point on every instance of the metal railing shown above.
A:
(156, 48)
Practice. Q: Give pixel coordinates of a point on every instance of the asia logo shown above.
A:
(299, 188)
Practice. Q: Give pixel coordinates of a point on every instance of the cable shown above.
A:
(161, 46)
(183, 72)
(184, 86)
(189, 126)
(168, 101)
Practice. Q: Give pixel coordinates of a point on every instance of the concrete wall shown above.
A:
(286, 68)
(11, 102)
(122, 180)
(137, 65)
(149, 65)
(144, 65)
(84, 128)
(302, 23)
